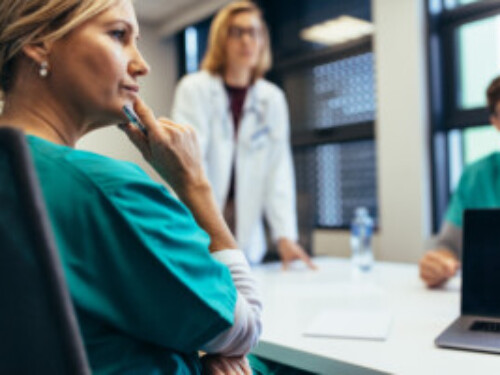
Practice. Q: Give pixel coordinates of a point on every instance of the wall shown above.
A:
(157, 89)
(401, 133)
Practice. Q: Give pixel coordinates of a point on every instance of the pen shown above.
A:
(132, 117)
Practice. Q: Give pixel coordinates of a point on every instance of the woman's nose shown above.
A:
(138, 65)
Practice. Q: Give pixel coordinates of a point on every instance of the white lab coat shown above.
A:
(264, 177)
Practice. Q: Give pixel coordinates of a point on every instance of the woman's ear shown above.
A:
(38, 52)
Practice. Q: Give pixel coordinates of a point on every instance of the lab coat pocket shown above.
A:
(259, 139)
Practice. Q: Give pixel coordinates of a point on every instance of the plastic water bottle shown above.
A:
(361, 240)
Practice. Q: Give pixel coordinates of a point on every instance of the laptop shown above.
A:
(478, 327)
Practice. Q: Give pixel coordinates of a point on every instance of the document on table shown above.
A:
(355, 324)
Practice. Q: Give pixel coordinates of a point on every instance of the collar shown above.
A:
(252, 102)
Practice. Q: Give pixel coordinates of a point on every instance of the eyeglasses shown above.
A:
(237, 32)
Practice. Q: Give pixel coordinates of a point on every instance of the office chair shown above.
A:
(38, 329)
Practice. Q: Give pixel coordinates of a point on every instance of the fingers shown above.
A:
(290, 251)
(145, 114)
(446, 263)
(245, 366)
(213, 369)
(169, 123)
(149, 120)
(227, 366)
(432, 280)
(453, 266)
(177, 131)
(238, 366)
(431, 272)
(436, 267)
(306, 259)
(213, 366)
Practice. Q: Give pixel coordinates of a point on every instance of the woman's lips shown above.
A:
(131, 90)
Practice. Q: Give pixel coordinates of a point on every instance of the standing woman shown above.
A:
(243, 127)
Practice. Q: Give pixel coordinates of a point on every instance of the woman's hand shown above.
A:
(218, 365)
(171, 149)
(290, 250)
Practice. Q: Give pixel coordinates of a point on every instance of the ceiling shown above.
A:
(171, 16)
(155, 11)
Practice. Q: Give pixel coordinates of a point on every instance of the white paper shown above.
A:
(368, 325)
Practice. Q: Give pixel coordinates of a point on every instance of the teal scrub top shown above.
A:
(146, 290)
(479, 187)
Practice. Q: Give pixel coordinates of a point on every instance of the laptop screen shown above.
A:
(481, 262)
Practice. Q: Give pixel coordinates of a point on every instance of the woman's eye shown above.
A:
(118, 34)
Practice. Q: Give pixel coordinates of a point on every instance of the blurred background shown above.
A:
(386, 100)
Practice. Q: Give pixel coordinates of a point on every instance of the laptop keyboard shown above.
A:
(492, 327)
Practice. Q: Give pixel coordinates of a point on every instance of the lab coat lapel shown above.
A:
(253, 116)
(220, 103)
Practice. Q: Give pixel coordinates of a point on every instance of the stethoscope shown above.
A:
(254, 108)
(257, 108)
(261, 129)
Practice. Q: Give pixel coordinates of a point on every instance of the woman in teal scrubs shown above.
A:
(154, 278)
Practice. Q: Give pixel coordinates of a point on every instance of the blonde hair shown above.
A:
(215, 57)
(24, 22)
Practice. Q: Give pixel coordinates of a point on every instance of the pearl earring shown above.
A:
(44, 69)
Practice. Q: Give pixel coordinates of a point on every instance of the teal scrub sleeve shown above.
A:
(473, 191)
(140, 263)
(456, 206)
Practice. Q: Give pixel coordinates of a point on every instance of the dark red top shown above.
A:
(237, 97)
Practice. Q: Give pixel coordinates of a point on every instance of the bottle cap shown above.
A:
(361, 211)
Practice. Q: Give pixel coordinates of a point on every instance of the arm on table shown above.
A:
(173, 150)
(441, 263)
(280, 206)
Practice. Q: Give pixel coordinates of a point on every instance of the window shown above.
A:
(191, 45)
(450, 4)
(466, 146)
(331, 96)
(332, 111)
(192, 55)
(464, 52)
(478, 59)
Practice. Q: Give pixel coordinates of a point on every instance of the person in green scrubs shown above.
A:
(154, 279)
(479, 187)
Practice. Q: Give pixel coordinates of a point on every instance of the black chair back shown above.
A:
(38, 328)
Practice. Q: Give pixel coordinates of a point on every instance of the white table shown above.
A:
(293, 298)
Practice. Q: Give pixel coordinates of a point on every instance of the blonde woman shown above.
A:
(242, 123)
(153, 279)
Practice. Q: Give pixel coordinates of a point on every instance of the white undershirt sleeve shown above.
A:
(450, 237)
(244, 333)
